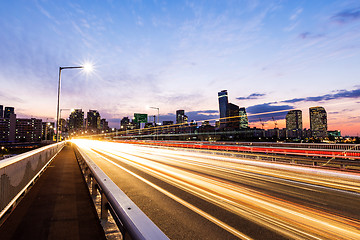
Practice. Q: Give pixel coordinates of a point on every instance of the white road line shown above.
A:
(184, 203)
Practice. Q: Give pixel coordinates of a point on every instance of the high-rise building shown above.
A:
(48, 130)
(93, 120)
(233, 118)
(8, 111)
(294, 120)
(318, 122)
(7, 128)
(104, 125)
(1, 111)
(28, 130)
(294, 124)
(64, 127)
(244, 122)
(181, 117)
(223, 107)
(124, 122)
(76, 120)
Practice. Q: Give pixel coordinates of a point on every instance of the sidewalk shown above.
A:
(58, 206)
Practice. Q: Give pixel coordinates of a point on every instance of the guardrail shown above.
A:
(130, 220)
(18, 173)
(344, 159)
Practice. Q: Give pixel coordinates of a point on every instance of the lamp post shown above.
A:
(86, 67)
(158, 109)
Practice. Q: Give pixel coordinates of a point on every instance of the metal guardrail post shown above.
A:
(93, 187)
(104, 210)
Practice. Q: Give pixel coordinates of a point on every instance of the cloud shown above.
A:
(203, 115)
(296, 14)
(267, 111)
(347, 16)
(193, 115)
(11, 98)
(114, 121)
(206, 112)
(139, 21)
(338, 95)
(252, 96)
(304, 35)
(307, 35)
(46, 13)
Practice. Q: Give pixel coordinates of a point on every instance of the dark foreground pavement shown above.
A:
(58, 206)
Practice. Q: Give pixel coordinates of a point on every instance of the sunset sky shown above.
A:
(269, 55)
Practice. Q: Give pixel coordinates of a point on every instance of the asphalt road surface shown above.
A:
(197, 195)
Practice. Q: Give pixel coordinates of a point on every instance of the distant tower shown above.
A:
(223, 107)
(318, 122)
(294, 120)
(1, 111)
(244, 122)
(181, 117)
(76, 119)
(93, 119)
(104, 125)
(233, 120)
(294, 124)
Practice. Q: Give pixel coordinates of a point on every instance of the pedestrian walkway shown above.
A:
(58, 206)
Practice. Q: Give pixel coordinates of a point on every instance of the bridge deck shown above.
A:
(58, 206)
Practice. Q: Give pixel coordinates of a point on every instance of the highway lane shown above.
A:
(199, 196)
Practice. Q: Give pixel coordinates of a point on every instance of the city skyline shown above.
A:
(271, 56)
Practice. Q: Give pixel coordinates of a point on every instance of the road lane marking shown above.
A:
(184, 203)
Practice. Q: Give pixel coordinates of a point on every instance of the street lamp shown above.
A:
(86, 67)
(158, 109)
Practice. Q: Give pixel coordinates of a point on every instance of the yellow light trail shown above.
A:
(292, 220)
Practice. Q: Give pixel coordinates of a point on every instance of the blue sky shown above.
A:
(269, 55)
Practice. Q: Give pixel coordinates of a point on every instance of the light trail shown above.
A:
(192, 172)
(326, 178)
(186, 204)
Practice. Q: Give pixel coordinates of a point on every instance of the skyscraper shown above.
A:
(223, 107)
(1, 111)
(76, 119)
(8, 111)
(294, 124)
(318, 122)
(181, 117)
(233, 118)
(124, 122)
(294, 120)
(7, 129)
(244, 122)
(104, 125)
(93, 119)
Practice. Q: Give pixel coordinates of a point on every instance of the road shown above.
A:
(193, 195)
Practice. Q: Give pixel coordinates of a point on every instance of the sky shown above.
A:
(269, 55)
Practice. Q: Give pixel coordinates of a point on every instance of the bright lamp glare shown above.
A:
(88, 67)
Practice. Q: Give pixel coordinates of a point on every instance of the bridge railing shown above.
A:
(131, 221)
(18, 173)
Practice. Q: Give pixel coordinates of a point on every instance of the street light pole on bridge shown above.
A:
(86, 67)
(157, 124)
